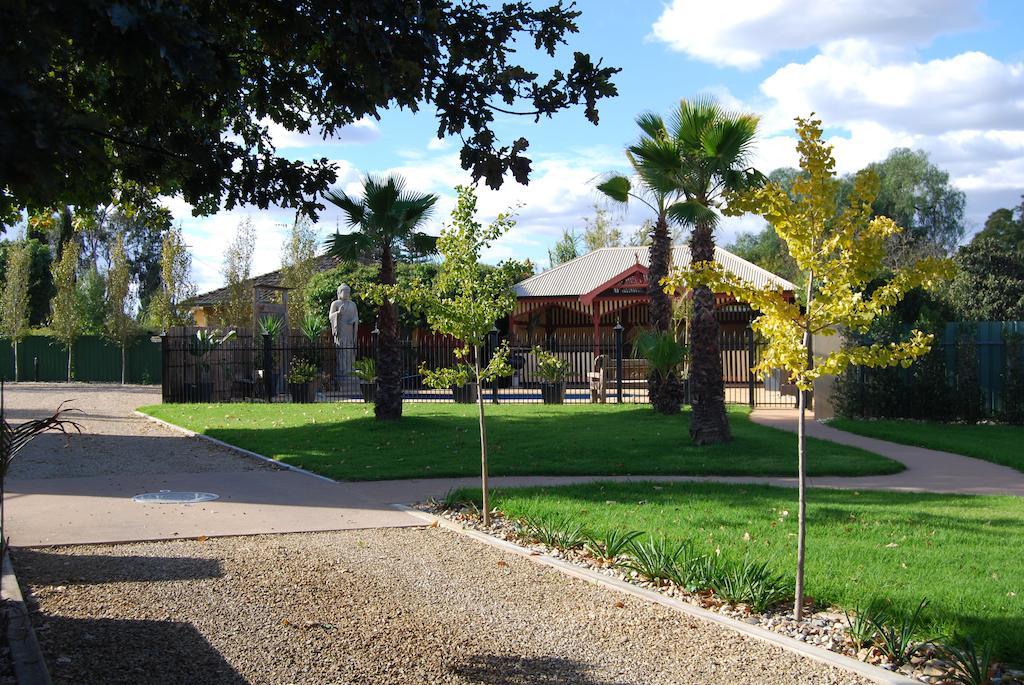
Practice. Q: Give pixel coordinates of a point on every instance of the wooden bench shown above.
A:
(604, 376)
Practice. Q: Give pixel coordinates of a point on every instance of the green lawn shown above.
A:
(963, 553)
(342, 440)
(1000, 444)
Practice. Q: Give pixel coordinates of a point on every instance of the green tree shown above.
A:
(298, 264)
(65, 317)
(183, 95)
(92, 306)
(599, 231)
(841, 250)
(40, 280)
(168, 308)
(989, 282)
(686, 166)
(1004, 228)
(14, 304)
(566, 249)
(120, 324)
(466, 302)
(386, 217)
(237, 309)
(917, 195)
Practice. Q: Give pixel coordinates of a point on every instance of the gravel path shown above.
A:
(114, 440)
(379, 606)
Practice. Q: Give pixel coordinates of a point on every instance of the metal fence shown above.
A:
(252, 367)
(93, 360)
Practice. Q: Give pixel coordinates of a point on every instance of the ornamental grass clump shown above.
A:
(860, 627)
(610, 545)
(561, 533)
(654, 559)
(697, 572)
(971, 665)
(896, 634)
(752, 583)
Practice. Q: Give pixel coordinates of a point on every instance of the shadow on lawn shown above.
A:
(491, 669)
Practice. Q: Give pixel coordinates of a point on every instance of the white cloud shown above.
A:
(742, 33)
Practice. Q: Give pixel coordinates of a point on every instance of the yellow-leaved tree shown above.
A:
(840, 250)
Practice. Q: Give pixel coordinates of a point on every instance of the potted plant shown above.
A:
(201, 345)
(552, 369)
(270, 329)
(365, 370)
(300, 380)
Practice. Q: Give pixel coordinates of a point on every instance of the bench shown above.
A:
(604, 376)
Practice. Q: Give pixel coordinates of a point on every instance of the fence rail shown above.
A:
(253, 367)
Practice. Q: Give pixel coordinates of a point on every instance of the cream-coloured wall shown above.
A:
(824, 386)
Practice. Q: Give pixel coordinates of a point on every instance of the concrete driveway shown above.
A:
(80, 490)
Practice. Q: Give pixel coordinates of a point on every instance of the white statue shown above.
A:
(344, 326)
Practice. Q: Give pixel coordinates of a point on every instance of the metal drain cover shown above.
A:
(168, 497)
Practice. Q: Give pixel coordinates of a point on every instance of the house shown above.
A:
(597, 290)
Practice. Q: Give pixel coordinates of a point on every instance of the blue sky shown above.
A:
(945, 76)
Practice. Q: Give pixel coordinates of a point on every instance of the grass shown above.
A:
(344, 441)
(960, 552)
(1000, 444)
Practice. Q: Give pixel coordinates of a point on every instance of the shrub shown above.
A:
(752, 583)
(301, 371)
(550, 367)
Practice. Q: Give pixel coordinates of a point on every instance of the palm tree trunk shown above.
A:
(663, 395)
(483, 441)
(708, 424)
(388, 404)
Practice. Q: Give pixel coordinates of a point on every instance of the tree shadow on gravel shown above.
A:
(120, 651)
(39, 567)
(492, 669)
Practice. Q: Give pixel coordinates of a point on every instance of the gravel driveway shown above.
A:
(128, 444)
(413, 606)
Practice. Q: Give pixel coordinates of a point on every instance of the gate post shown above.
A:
(751, 360)
(268, 368)
(618, 361)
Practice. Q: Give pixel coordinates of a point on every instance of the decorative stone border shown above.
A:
(867, 671)
(26, 656)
(228, 445)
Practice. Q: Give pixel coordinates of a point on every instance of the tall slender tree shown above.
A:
(65, 317)
(14, 319)
(298, 264)
(119, 325)
(387, 217)
(237, 311)
(714, 148)
(176, 284)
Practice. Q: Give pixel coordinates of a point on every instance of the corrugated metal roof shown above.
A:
(581, 275)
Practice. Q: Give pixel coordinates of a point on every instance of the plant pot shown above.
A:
(199, 392)
(465, 394)
(369, 391)
(302, 393)
(552, 393)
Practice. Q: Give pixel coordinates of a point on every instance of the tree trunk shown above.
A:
(486, 508)
(665, 397)
(389, 357)
(122, 362)
(801, 537)
(709, 423)
(15, 360)
(69, 363)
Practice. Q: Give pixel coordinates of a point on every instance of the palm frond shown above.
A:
(354, 210)
(692, 213)
(617, 188)
(423, 244)
(351, 245)
(652, 125)
(14, 438)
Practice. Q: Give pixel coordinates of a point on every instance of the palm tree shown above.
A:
(386, 220)
(714, 147)
(655, 167)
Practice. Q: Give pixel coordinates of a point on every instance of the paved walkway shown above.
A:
(79, 491)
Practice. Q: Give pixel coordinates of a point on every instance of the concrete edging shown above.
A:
(228, 445)
(26, 656)
(872, 673)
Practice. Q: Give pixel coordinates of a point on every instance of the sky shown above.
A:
(943, 76)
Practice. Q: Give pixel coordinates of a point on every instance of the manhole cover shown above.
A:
(168, 497)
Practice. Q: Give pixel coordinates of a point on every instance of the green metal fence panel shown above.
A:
(989, 339)
(94, 359)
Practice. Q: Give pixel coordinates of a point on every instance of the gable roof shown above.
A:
(267, 280)
(580, 276)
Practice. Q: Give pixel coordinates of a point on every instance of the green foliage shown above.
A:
(654, 559)
(362, 278)
(168, 306)
(566, 249)
(119, 324)
(560, 533)
(92, 306)
(312, 326)
(207, 340)
(611, 544)
(365, 369)
(550, 366)
(40, 282)
(271, 325)
(766, 249)
(14, 314)
(599, 231)
(896, 633)
(298, 264)
(662, 351)
(860, 625)
(1004, 228)
(236, 310)
(989, 282)
(753, 583)
(66, 320)
(301, 371)
(971, 665)
(185, 96)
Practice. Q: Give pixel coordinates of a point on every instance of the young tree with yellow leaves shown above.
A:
(840, 251)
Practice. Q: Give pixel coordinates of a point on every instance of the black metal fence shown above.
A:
(250, 367)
